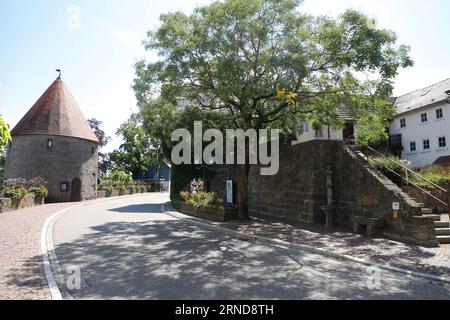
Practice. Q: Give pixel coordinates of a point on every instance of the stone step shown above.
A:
(442, 224)
(443, 231)
(435, 217)
(443, 239)
(426, 210)
(421, 205)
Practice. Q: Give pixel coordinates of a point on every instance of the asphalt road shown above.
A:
(128, 249)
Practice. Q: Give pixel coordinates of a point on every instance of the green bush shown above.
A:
(381, 163)
(106, 185)
(14, 192)
(439, 178)
(182, 175)
(204, 200)
(39, 191)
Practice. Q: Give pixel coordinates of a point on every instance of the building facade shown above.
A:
(422, 123)
(54, 141)
(308, 133)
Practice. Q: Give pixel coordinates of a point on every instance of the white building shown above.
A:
(423, 124)
(308, 133)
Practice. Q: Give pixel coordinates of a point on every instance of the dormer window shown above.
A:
(49, 143)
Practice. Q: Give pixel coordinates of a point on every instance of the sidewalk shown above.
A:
(22, 275)
(435, 261)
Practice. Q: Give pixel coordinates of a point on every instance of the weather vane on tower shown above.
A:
(60, 72)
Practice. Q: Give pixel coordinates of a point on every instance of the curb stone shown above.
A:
(302, 247)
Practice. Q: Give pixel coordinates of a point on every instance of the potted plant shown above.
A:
(39, 192)
(16, 194)
(123, 191)
(107, 187)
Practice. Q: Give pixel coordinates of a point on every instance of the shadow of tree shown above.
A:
(175, 259)
(178, 260)
(147, 208)
(431, 260)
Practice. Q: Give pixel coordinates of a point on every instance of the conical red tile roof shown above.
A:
(55, 113)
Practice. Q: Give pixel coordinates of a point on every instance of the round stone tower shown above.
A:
(55, 142)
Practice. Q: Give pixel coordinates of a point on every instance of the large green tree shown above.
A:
(136, 153)
(262, 64)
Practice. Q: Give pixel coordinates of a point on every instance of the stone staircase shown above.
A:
(441, 224)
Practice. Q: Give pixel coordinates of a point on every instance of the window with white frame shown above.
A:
(412, 146)
(424, 117)
(442, 142)
(439, 113)
(403, 123)
(426, 144)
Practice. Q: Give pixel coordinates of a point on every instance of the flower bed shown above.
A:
(20, 193)
(213, 214)
(206, 206)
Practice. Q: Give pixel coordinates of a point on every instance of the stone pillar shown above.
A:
(329, 212)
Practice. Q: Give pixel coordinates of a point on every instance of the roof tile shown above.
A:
(55, 113)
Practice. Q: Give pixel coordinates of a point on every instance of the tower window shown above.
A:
(92, 150)
(403, 123)
(64, 186)
(412, 147)
(49, 143)
(439, 113)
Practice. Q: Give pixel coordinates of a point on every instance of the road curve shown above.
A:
(128, 249)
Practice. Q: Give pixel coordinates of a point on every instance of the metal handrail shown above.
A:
(412, 183)
(409, 170)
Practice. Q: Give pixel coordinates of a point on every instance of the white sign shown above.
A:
(230, 192)
(396, 206)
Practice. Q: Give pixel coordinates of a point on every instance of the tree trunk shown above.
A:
(244, 170)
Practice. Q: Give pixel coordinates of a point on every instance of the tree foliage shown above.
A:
(263, 61)
(96, 126)
(5, 136)
(264, 64)
(136, 152)
(104, 162)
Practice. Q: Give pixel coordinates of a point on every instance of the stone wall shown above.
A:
(218, 183)
(298, 192)
(29, 200)
(28, 157)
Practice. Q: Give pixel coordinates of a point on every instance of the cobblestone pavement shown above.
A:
(22, 274)
(434, 261)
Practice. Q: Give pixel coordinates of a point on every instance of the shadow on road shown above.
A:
(140, 208)
(177, 260)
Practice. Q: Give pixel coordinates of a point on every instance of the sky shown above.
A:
(97, 42)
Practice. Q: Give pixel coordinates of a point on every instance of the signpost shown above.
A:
(230, 193)
(396, 209)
